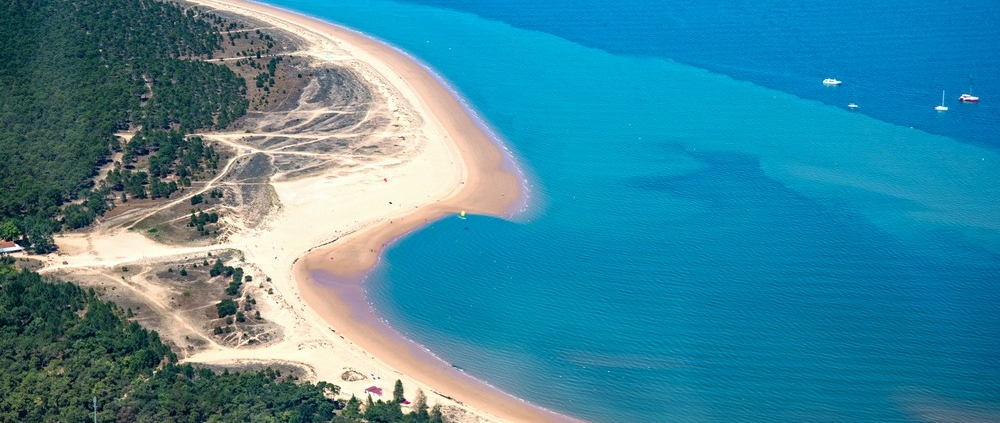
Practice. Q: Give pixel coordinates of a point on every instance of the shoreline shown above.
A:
(343, 303)
(489, 183)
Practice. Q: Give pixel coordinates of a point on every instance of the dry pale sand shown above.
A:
(483, 187)
(338, 222)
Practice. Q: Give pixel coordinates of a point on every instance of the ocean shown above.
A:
(712, 236)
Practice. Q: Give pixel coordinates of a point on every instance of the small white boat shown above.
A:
(968, 97)
(942, 107)
(831, 81)
(853, 106)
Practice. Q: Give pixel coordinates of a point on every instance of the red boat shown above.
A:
(968, 98)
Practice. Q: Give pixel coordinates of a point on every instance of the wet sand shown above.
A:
(328, 278)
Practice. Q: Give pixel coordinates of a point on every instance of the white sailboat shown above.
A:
(968, 97)
(942, 107)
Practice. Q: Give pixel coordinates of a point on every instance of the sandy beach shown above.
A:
(482, 186)
(335, 223)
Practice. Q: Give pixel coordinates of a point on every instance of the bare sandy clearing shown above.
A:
(368, 147)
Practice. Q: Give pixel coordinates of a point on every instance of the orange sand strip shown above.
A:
(487, 189)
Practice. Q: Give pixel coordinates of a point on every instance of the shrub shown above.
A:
(226, 307)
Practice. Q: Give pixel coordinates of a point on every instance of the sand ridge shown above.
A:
(415, 155)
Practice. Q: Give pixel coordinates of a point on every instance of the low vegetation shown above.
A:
(75, 74)
(61, 346)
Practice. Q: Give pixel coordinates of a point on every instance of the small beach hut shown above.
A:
(374, 390)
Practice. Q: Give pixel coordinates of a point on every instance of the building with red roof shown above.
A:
(10, 247)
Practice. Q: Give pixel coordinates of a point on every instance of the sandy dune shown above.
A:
(346, 181)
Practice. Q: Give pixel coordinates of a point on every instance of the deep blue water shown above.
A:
(895, 56)
(721, 242)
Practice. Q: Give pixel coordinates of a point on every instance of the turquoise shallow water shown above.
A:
(701, 248)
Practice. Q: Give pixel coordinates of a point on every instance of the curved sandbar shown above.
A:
(481, 184)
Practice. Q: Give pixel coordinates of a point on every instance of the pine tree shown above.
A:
(353, 408)
(436, 416)
(420, 404)
(397, 392)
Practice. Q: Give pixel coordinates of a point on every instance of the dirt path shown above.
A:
(360, 147)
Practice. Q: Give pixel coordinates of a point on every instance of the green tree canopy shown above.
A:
(105, 66)
(60, 346)
(397, 392)
(9, 231)
(226, 307)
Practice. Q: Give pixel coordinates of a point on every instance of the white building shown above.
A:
(10, 247)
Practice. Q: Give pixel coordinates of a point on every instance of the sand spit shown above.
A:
(373, 148)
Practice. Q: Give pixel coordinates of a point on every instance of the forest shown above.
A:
(61, 346)
(75, 72)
